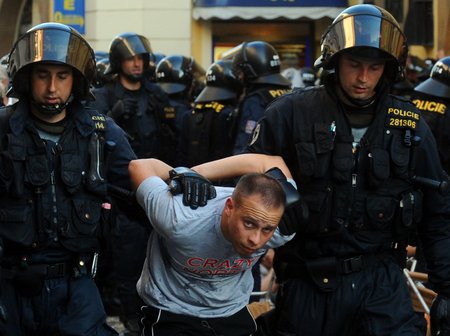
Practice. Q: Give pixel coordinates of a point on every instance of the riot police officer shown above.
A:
(137, 105)
(432, 98)
(257, 64)
(207, 132)
(182, 78)
(367, 166)
(55, 176)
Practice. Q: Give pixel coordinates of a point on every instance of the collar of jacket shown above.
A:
(20, 119)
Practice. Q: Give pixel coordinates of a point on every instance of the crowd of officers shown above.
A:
(168, 107)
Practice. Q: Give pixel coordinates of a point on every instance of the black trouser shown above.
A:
(372, 301)
(158, 322)
(64, 306)
(129, 241)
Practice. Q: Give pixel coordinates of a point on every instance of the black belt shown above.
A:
(49, 271)
(325, 272)
(341, 265)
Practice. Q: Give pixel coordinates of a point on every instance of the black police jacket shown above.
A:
(436, 112)
(361, 201)
(143, 125)
(51, 199)
(206, 134)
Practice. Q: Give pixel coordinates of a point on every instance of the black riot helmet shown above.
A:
(221, 83)
(53, 43)
(308, 76)
(152, 63)
(127, 45)
(439, 82)
(258, 61)
(101, 77)
(176, 73)
(366, 31)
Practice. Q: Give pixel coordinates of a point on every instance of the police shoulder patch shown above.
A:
(402, 118)
(99, 122)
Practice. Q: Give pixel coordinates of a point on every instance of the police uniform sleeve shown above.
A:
(251, 110)
(117, 172)
(434, 228)
(273, 134)
(101, 100)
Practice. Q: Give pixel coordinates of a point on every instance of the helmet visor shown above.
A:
(132, 45)
(365, 31)
(53, 45)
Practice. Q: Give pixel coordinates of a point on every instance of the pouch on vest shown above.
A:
(310, 163)
(17, 148)
(380, 212)
(323, 272)
(379, 163)
(37, 170)
(323, 138)
(410, 212)
(84, 220)
(16, 223)
(342, 162)
(400, 156)
(71, 171)
(319, 221)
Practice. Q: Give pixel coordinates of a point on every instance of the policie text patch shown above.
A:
(399, 118)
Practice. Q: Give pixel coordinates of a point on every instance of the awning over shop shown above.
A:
(267, 9)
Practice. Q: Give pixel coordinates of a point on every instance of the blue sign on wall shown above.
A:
(70, 12)
(270, 3)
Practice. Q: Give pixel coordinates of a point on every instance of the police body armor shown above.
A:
(362, 198)
(144, 125)
(58, 202)
(209, 132)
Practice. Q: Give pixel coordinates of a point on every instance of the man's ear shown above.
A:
(229, 206)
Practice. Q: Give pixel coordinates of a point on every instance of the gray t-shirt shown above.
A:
(191, 269)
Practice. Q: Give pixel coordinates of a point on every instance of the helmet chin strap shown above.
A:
(52, 109)
(133, 78)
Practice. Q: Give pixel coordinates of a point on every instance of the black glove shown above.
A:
(196, 189)
(123, 108)
(296, 209)
(6, 171)
(440, 316)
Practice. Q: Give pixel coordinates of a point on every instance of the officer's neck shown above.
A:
(128, 84)
(48, 118)
(359, 115)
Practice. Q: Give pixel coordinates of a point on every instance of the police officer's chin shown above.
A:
(50, 110)
(134, 78)
(350, 101)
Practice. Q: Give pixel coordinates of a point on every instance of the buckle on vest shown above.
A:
(351, 265)
(56, 270)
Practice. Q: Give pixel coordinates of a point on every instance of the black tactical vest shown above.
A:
(52, 197)
(361, 199)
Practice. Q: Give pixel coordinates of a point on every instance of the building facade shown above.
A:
(206, 28)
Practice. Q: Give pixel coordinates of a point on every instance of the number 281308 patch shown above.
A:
(399, 118)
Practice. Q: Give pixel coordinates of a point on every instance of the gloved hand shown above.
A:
(440, 316)
(6, 171)
(196, 189)
(123, 108)
(296, 209)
